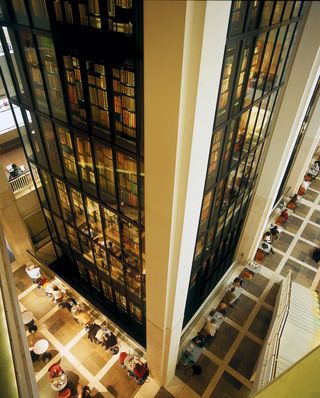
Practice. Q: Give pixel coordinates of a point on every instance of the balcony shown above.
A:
(23, 184)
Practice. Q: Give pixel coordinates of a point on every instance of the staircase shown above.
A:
(301, 333)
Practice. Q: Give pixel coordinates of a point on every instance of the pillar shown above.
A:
(14, 228)
(183, 50)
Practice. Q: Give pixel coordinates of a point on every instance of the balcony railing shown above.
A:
(23, 184)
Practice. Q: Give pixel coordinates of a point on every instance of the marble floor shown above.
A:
(82, 360)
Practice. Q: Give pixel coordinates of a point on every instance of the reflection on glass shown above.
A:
(35, 77)
(64, 200)
(20, 13)
(36, 139)
(278, 12)
(86, 247)
(266, 13)
(74, 88)
(214, 156)
(51, 145)
(78, 210)
(130, 238)
(128, 185)
(241, 77)
(238, 13)
(100, 256)
(284, 53)
(133, 280)
(93, 279)
(82, 270)
(205, 212)
(104, 165)
(61, 231)
(49, 63)
(135, 312)
(73, 238)
(85, 161)
(106, 288)
(68, 155)
(94, 219)
(39, 14)
(98, 95)
(124, 102)
(49, 189)
(116, 270)
(121, 301)
(111, 230)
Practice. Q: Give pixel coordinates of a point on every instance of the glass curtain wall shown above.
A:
(82, 106)
(261, 37)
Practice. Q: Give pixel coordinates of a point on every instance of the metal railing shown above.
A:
(267, 365)
(24, 182)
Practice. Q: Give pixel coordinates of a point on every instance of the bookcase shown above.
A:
(124, 102)
(120, 16)
(68, 155)
(85, 161)
(104, 164)
(98, 95)
(74, 88)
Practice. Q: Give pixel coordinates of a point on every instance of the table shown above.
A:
(130, 361)
(59, 383)
(254, 267)
(27, 317)
(267, 248)
(41, 346)
(194, 351)
(217, 317)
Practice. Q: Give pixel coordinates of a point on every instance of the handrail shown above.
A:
(267, 364)
(24, 181)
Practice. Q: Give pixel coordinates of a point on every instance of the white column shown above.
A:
(184, 46)
(301, 83)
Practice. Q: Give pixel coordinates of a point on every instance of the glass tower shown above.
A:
(75, 71)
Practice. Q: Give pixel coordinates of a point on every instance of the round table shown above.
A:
(41, 346)
(129, 362)
(27, 317)
(59, 383)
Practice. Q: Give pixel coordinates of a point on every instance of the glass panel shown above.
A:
(86, 247)
(128, 185)
(124, 102)
(78, 210)
(205, 212)
(135, 312)
(116, 22)
(10, 90)
(116, 271)
(36, 139)
(238, 13)
(133, 279)
(288, 10)
(229, 193)
(58, 10)
(141, 181)
(73, 238)
(64, 200)
(266, 13)
(218, 199)
(24, 134)
(278, 12)
(111, 230)
(228, 148)
(98, 95)
(106, 288)
(275, 59)
(82, 270)
(254, 14)
(254, 69)
(214, 156)
(39, 14)
(265, 63)
(74, 88)
(68, 11)
(226, 83)
(250, 128)
(16, 61)
(266, 121)
(100, 256)
(104, 165)
(51, 145)
(296, 9)
(94, 279)
(68, 155)
(85, 161)
(284, 53)
(130, 238)
(49, 189)
(20, 12)
(61, 231)
(94, 220)
(121, 301)
(50, 224)
(29, 50)
(240, 87)
(51, 74)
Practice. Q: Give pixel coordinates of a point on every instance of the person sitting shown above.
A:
(237, 282)
(16, 171)
(57, 294)
(55, 371)
(34, 273)
(284, 216)
(230, 297)
(210, 328)
(316, 255)
(274, 230)
(83, 391)
(267, 237)
(222, 308)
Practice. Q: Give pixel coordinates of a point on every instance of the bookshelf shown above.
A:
(130, 238)
(85, 161)
(78, 207)
(128, 186)
(67, 151)
(51, 74)
(64, 200)
(111, 229)
(120, 16)
(104, 165)
(98, 95)
(124, 102)
(74, 88)
(73, 238)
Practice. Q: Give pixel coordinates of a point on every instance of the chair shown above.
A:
(65, 393)
(259, 257)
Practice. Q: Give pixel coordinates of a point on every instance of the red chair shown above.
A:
(55, 370)
(65, 393)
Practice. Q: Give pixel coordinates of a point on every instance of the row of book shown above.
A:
(124, 75)
(98, 97)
